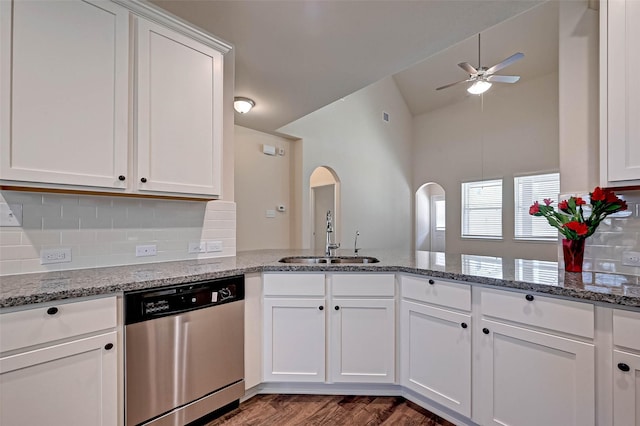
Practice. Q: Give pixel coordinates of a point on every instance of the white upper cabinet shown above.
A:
(63, 92)
(179, 112)
(89, 103)
(619, 93)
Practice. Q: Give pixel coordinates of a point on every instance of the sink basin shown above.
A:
(309, 260)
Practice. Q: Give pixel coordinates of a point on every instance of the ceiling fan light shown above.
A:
(243, 105)
(479, 87)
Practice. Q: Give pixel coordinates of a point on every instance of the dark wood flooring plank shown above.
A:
(328, 410)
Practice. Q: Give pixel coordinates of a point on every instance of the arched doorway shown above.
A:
(324, 186)
(430, 217)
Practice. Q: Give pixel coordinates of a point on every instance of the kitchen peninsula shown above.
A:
(25, 289)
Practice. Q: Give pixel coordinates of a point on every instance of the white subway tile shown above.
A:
(143, 235)
(77, 237)
(10, 238)
(53, 223)
(10, 267)
(72, 211)
(40, 238)
(110, 236)
(28, 198)
(18, 252)
(96, 223)
(59, 199)
(89, 200)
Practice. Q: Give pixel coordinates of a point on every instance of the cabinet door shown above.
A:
(529, 378)
(626, 389)
(64, 79)
(623, 90)
(179, 134)
(73, 383)
(294, 340)
(435, 353)
(362, 344)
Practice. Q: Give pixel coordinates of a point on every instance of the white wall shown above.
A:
(262, 182)
(372, 160)
(516, 133)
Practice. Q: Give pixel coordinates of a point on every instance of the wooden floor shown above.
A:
(297, 410)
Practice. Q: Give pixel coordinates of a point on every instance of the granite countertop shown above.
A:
(532, 275)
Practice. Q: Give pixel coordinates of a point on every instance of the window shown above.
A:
(528, 189)
(482, 209)
(440, 215)
(537, 271)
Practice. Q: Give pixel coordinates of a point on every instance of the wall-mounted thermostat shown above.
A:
(269, 149)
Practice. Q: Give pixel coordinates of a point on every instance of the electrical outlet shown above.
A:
(10, 214)
(59, 255)
(148, 250)
(199, 247)
(214, 246)
(631, 258)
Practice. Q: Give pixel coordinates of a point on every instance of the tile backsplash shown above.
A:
(104, 230)
(616, 234)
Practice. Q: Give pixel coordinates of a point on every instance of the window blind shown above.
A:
(528, 189)
(482, 209)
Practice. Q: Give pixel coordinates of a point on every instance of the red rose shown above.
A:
(610, 197)
(548, 201)
(535, 208)
(597, 194)
(578, 227)
(563, 205)
(579, 201)
(623, 204)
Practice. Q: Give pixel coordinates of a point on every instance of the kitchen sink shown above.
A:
(309, 260)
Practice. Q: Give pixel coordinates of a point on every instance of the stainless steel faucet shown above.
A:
(355, 244)
(330, 247)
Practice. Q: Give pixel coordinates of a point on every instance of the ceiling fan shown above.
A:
(483, 77)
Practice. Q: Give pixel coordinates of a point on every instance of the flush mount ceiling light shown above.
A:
(243, 105)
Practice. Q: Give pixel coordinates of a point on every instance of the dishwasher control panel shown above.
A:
(155, 303)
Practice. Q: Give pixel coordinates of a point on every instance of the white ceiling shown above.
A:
(294, 57)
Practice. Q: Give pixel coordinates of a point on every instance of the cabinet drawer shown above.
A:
(626, 329)
(374, 285)
(43, 324)
(443, 293)
(554, 314)
(294, 285)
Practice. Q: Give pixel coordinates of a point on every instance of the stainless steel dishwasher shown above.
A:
(184, 351)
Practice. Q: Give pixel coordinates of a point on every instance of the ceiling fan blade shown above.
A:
(452, 84)
(510, 60)
(468, 68)
(503, 78)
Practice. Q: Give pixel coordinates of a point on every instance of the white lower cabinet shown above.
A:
(626, 368)
(59, 364)
(294, 331)
(72, 383)
(362, 340)
(436, 354)
(531, 378)
(626, 389)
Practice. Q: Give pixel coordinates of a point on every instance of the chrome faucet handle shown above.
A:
(355, 244)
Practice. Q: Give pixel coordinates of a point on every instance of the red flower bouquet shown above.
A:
(570, 221)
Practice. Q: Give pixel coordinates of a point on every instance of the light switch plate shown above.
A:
(198, 247)
(57, 255)
(214, 246)
(271, 214)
